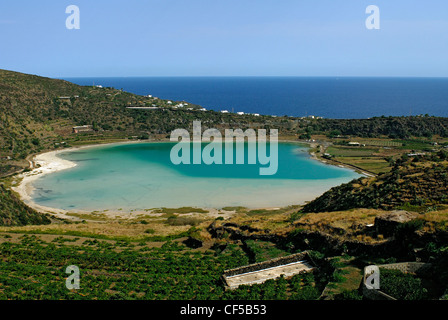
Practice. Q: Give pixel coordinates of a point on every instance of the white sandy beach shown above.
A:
(42, 164)
(49, 162)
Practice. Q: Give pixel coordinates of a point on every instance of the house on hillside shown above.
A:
(85, 128)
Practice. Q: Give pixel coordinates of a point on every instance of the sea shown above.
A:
(328, 97)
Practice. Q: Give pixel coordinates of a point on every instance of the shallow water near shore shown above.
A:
(141, 176)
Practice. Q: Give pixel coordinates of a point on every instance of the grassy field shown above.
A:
(372, 164)
(344, 224)
(366, 158)
(341, 151)
(381, 143)
(347, 278)
(415, 144)
(373, 154)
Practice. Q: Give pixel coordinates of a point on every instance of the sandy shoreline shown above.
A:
(46, 163)
(42, 164)
(49, 162)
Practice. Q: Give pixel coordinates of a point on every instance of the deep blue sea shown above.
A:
(328, 97)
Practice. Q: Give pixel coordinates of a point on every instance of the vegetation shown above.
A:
(182, 210)
(391, 127)
(13, 212)
(402, 286)
(419, 181)
(259, 251)
(35, 269)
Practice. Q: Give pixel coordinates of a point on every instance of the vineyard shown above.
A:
(35, 269)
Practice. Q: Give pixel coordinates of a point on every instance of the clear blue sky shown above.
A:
(225, 38)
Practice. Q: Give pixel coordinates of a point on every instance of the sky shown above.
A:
(225, 38)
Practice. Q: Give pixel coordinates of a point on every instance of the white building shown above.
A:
(224, 111)
(416, 154)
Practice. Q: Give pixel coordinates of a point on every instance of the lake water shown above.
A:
(140, 176)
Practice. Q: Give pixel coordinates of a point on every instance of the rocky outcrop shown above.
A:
(239, 232)
(193, 242)
(303, 240)
(386, 224)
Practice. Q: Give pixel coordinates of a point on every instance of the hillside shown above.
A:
(392, 127)
(417, 182)
(36, 112)
(13, 212)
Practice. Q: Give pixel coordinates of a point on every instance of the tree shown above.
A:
(334, 133)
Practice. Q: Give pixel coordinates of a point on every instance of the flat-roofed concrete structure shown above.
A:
(260, 272)
(85, 128)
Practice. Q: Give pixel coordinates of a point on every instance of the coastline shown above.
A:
(45, 163)
(49, 162)
(41, 165)
(313, 155)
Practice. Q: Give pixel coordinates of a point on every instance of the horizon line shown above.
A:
(253, 76)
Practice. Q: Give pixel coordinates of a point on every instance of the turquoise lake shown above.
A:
(140, 176)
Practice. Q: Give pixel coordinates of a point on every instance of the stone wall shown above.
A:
(267, 264)
(406, 267)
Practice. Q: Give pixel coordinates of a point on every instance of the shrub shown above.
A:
(401, 286)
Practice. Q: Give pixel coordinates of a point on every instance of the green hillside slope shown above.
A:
(417, 182)
(13, 212)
